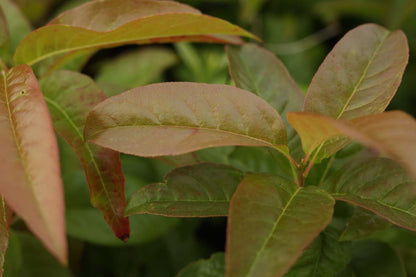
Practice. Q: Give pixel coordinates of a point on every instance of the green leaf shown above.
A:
(373, 258)
(212, 267)
(135, 68)
(93, 25)
(4, 233)
(198, 190)
(362, 224)
(325, 256)
(4, 38)
(271, 221)
(360, 75)
(70, 96)
(176, 118)
(257, 70)
(87, 224)
(31, 181)
(379, 185)
(13, 262)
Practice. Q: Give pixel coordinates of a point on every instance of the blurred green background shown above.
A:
(300, 33)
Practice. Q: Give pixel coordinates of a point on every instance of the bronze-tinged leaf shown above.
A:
(70, 96)
(199, 190)
(176, 118)
(101, 24)
(4, 233)
(393, 133)
(318, 135)
(31, 180)
(271, 221)
(379, 185)
(360, 75)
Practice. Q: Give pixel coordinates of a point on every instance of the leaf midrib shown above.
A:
(23, 160)
(363, 75)
(272, 231)
(86, 146)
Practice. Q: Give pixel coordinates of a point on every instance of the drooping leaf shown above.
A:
(4, 233)
(325, 256)
(87, 224)
(176, 118)
(363, 223)
(393, 133)
(360, 75)
(212, 267)
(93, 25)
(257, 70)
(70, 96)
(379, 185)
(271, 221)
(198, 190)
(31, 182)
(318, 135)
(133, 69)
(374, 258)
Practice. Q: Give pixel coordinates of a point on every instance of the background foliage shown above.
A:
(300, 33)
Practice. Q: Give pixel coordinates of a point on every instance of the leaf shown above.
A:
(135, 68)
(360, 75)
(13, 261)
(374, 258)
(176, 118)
(325, 256)
(318, 135)
(70, 96)
(198, 190)
(4, 233)
(362, 224)
(393, 133)
(31, 182)
(257, 70)
(93, 25)
(379, 185)
(270, 222)
(87, 224)
(212, 267)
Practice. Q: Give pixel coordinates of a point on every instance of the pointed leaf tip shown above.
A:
(31, 182)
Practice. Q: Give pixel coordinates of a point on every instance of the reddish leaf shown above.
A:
(176, 118)
(271, 221)
(360, 75)
(31, 182)
(100, 24)
(70, 96)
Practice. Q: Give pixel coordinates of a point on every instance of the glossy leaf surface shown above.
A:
(379, 185)
(70, 96)
(212, 267)
(93, 25)
(198, 190)
(176, 118)
(360, 75)
(271, 222)
(4, 233)
(325, 256)
(31, 180)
